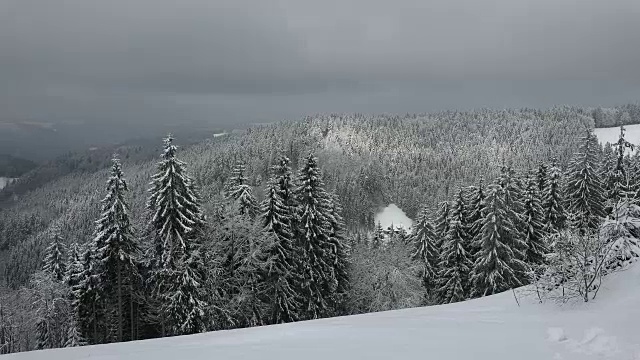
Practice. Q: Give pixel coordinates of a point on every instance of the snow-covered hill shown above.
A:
(612, 134)
(392, 215)
(492, 328)
(4, 181)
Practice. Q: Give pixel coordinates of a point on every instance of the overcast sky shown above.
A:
(230, 61)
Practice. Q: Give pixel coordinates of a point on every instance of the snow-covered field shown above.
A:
(492, 328)
(612, 134)
(4, 181)
(393, 215)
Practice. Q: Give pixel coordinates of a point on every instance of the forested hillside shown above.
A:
(251, 205)
(13, 167)
(369, 161)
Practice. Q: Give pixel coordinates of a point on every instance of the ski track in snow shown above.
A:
(594, 344)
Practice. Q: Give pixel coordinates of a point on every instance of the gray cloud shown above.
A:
(229, 61)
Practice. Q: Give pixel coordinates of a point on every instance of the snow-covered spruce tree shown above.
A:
(117, 255)
(278, 217)
(623, 234)
(86, 298)
(239, 190)
(243, 255)
(73, 279)
(423, 238)
(633, 174)
(339, 254)
(499, 266)
(54, 258)
(459, 211)
(442, 221)
(552, 200)
(314, 241)
(74, 266)
(455, 264)
(476, 216)
(618, 181)
(608, 161)
(512, 195)
(177, 222)
(186, 304)
(534, 233)
(74, 337)
(378, 237)
(542, 177)
(42, 334)
(584, 193)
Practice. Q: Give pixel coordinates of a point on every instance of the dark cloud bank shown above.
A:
(226, 62)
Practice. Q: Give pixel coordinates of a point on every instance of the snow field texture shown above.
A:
(492, 328)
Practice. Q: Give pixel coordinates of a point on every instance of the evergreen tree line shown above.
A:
(254, 263)
(368, 160)
(495, 237)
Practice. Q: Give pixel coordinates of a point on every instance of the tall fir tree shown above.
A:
(278, 219)
(42, 334)
(338, 252)
(423, 238)
(54, 258)
(86, 295)
(584, 193)
(248, 277)
(499, 265)
(117, 254)
(534, 233)
(476, 216)
(378, 237)
(619, 187)
(74, 266)
(442, 222)
(512, 195)
(239, 190)
(460, 211)
(454, 264)
(608, 161)
(314, 240)
(74, 337)
(552, 201)
(542, 177)
(177, 223)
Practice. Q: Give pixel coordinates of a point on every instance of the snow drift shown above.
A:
(494, 327)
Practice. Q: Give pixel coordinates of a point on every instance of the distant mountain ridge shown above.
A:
(13, 166)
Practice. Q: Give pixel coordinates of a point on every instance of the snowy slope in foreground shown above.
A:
(492, 328)
(612, 134)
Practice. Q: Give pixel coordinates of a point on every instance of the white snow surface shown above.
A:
(392, 214)
(612, 134)
(492, 328)
(4, 181)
